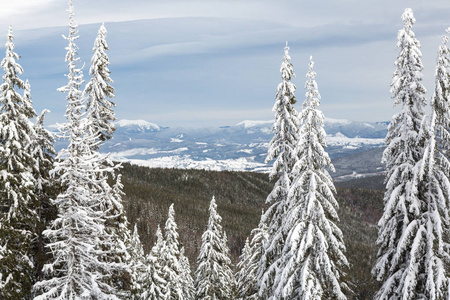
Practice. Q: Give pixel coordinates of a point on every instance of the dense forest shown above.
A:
(240, 198)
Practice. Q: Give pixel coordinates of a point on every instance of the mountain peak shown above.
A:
(141, 125)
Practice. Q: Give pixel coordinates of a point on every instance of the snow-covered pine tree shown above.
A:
(18, 202)
(152, 283)
(240, 275)
(186, 275)
(137, 266)
(312, 262)
(46, 187)
(282, 149)
(398, 265)
(98, 122)
(114, 245)
(246, 278)
(77, 270)
(213, 277)
(100, 110)
(433, 227)
(170, 259)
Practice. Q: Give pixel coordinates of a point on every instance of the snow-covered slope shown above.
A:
(137, 125)
(239, 147)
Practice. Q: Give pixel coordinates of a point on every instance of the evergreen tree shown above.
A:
(153, 285)
(98, 122)
(46, 187)
(18, 201)
(282, 149)
(240, 276)
(188, 281)
(433, 228)
(77, 269)
(313, 256)
(100, 110)
(248, 266)
(170, 258)
(213, 277)
(400, 261)
(114, 244)
(137, 266)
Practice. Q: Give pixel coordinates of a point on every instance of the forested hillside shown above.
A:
(240, 198)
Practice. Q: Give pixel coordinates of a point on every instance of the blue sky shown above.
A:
(216, 62)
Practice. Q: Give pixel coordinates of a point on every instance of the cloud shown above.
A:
(18, 7)
(189, 61)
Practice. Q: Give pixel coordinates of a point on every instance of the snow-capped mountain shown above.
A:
(137, 126)
(239, 147)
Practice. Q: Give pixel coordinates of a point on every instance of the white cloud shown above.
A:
(198, 55)
(18, 7)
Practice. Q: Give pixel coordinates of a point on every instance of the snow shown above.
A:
(186, 162)
(175, 140)
(144, 151)
(141, 124)
(351, 143)
(249, 151)
(249, 123)
(336, 121)
(350, 147)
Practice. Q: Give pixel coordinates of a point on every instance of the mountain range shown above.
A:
(355, 147)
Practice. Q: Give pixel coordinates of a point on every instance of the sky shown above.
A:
(216, 62)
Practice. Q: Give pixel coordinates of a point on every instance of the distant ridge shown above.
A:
(239, 147)
(141, 124)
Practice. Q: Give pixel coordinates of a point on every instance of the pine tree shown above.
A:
(114, 244)
(77, 269)
(100, 110)
(313, 259)
(188, 281)
(98, 122)
(137, 259)
(433, 232)
(248, 266)
(46, 187)
(152, 283)
(282, 149)
(400, 261)
(241, 275)
(170, 258)
(213, 277)
(18, 202)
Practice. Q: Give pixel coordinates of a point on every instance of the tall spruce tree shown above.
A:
(186, 276)
(433, 227)
(152, 283)
(18, 200)
(312, 261)
(113, 246)
(240, 276)
(98, 123)
(399, 260)
(248, 267)
(282, 149)
(100, 110)
(213, 277)
(137, 266)
(46, 187)
(77, 269)
(170, 259)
